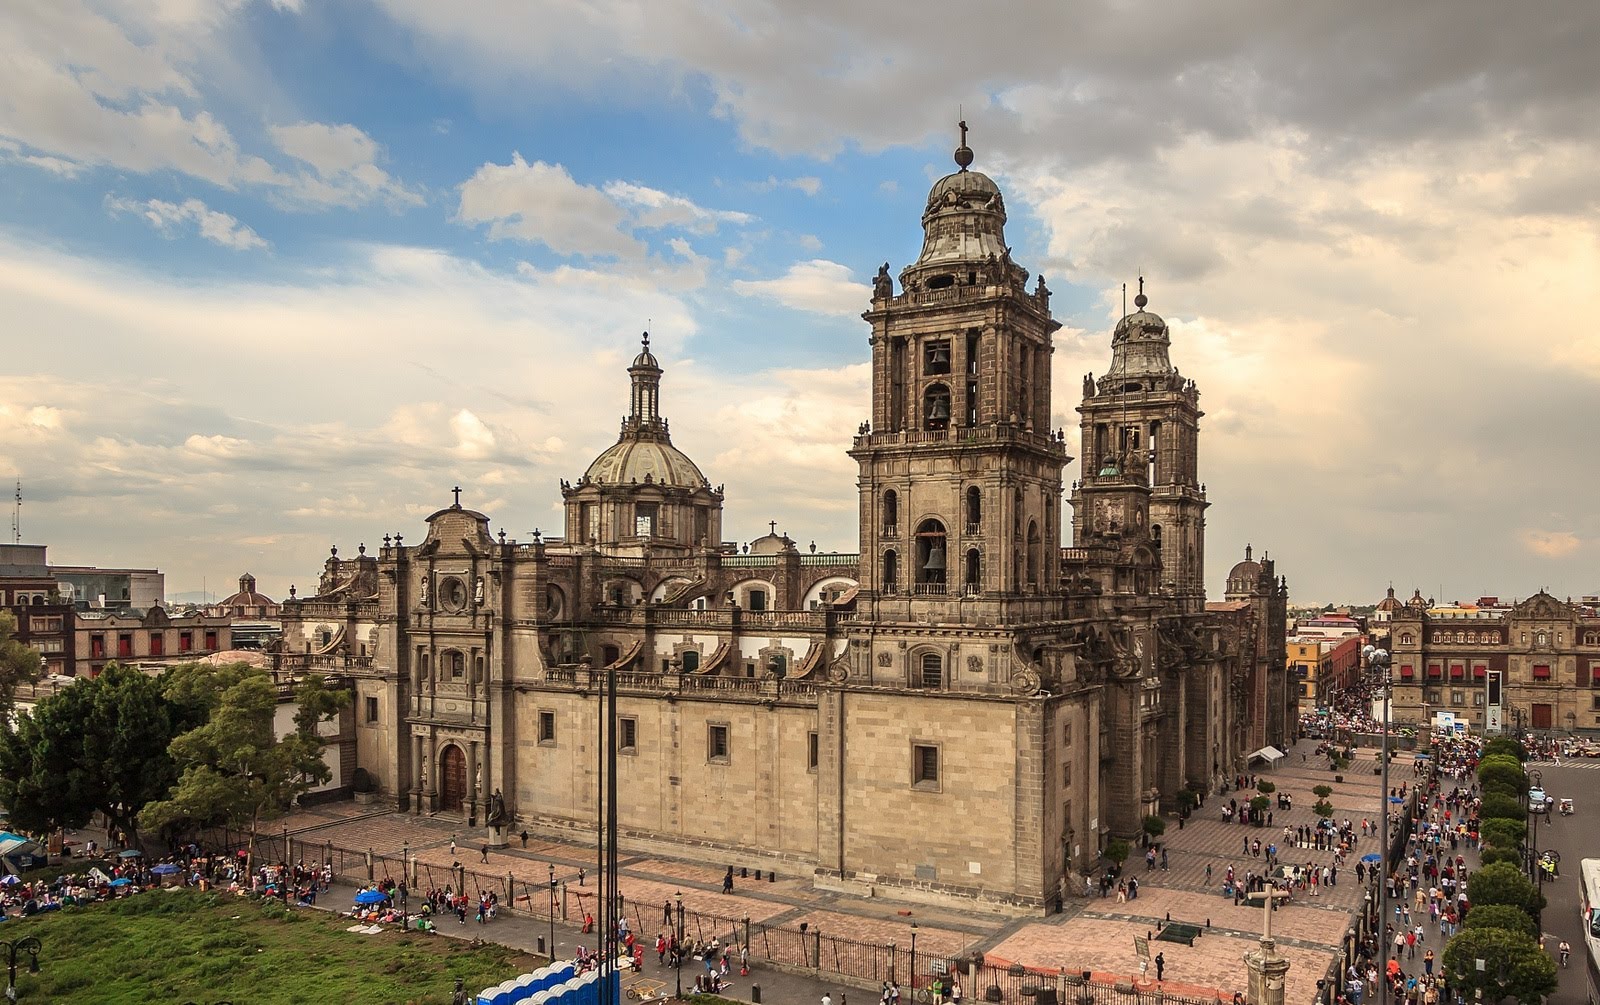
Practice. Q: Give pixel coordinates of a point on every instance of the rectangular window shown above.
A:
(1431, 696)
(372, 709)
(1435, 671)
(547, 727)
(48, 645)
(1405, 671)
(97, 647)
(1541, 671)
(186, 641)
(1458, 697)
(1594, 702)
(628, 736)
(1066, 776)
(158, 644)
(758, 600)
(717, 743)
(644, 519)
(124, 645)
(1457, 671)
(811, 751)
(936, 356)
(1477, 699)
(211, 641)
(925, 765)
(44, 624)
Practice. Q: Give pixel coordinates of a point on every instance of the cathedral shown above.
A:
(966, 708)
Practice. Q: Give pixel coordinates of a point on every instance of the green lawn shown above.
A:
(208, 947)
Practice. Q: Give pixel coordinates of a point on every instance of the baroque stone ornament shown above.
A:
(838, 672)
(885, 659)
(1026, 681)
(975, 664)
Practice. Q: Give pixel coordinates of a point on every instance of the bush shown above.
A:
(1187, 800)
(1500, 759)
(1503, 773)
(1497, 805)
(1499, 832)
(1265, 787)
(1154, 826)
(1500, 788)
(1323, 808)
(1117, 850)
(1322, 791)
(1503, 883)
(1260, 804)
(1501, 916)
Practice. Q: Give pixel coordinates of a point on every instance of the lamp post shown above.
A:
(552, 912)
(284, 879)
(677, 955)
(1535, 781)
(913, 961)
(28, 945)
(1380, 663)
(405, 879)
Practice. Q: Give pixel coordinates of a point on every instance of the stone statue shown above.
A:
(883, 286)
(497, 810)
(423, 595)
(477, 591)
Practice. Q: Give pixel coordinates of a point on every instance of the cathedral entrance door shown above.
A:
(452, 779)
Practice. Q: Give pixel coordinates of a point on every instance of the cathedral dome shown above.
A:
(642, 460)
(1391, 602)
(963, 185)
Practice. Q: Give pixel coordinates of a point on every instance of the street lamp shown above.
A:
(405, 879)
(913, 961)
(1379, 661)
(677, 955)
(29, 945)
(553, 911)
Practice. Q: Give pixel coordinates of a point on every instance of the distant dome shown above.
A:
(247, 595)
(1246, 571)
(1391, 602)
(646, 358)
(636, 460)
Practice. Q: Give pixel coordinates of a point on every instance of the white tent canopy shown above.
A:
(1272, 755)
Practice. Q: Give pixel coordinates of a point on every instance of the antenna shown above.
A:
(16, 516)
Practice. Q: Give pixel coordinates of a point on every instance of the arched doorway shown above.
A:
(452, 779)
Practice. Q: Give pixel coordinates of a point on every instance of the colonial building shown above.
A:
(964, 708)
(1543, 653)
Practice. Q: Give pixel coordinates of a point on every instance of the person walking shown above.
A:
(727, 880)
(452, 846)
(1161, 964)
(483, 852)
(1564, 950)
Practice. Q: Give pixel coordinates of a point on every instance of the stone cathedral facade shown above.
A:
(967, 707)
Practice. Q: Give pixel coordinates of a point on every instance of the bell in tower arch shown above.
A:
(935, 562)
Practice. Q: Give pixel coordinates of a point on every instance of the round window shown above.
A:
(453, 594)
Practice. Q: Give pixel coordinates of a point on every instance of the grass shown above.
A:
(188, 946)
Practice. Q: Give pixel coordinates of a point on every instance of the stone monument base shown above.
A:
(498, 837)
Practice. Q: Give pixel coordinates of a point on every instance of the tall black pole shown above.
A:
(1383, 841)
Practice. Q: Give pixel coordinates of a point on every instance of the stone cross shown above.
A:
(457, 491)
(1266, 897)
(772, 525)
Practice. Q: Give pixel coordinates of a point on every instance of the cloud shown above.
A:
(1550, 543)
(818, 286)
(809, 184)
(541, 203)
(216, 227)
(344, 160)
(656, 209)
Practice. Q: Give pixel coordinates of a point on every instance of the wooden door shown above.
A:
(1541, 717)
(452, 779)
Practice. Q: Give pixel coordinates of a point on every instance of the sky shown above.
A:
(276, 274)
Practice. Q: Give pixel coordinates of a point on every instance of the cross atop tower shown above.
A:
(772, 526)
(457, 491)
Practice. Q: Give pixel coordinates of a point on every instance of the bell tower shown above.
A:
(960, 483)
(1143, 413)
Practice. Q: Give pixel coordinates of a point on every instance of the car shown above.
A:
(1537, 800)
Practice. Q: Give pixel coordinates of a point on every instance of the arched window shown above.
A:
(1033, 555)
(974, 571)
(891, 571)
(974, 509)
(932, 670)
(1016, 514)
(936, 407)
(691, 660)
(891, 513)
(1406, 639)
(930, 556)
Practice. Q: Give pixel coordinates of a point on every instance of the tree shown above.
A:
(99, 744)
(1117, 851)
(1490, 855)
(1502, 771)
(1504, 745)
(1322, 791)
(19, 664)
(1323, 808)
(1498, 832)
(235, 770)
(1265, 787)
(1187, 800)
(1514, 965)
(1154, 826)
(1497, 805)
(1503, 916)
(1502, 883)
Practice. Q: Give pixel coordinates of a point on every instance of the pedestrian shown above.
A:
(524, 839)
(1208, 873)
(727, 880)
(1161, 964)
(483, 851)
(661, 949)
(452, 846)
(827, 999)
(581, 874)
(666, 912)
(955, 990)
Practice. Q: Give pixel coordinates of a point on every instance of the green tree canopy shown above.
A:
(1505, 916)
(19, 664)
(1490, 855)
(1117, 850)
(1265, 787)
(1322, 791)
(1497, 805)
(1154, 826)
(1498, 832)
(234, 769)
(1323, 808)
(1504, 745)
(1502, 883)
(1502, 771)
(1514, 965)
(98, 744)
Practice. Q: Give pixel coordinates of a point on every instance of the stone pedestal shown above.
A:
(499, 837)
(1268, 973)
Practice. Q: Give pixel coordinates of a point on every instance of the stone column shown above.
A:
(1267, 974)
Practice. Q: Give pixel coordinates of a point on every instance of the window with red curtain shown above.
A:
(1457, 671)
(1479, 670)
(211, 640)
(185, 641)
(1435, 671)
(125, 645)
(97, 647)
(1541, 671)
(1405, 672)
(158, 644)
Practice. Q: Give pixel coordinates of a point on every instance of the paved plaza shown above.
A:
(1092, 933)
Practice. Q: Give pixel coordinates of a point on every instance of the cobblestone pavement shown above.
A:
(1092, 933)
